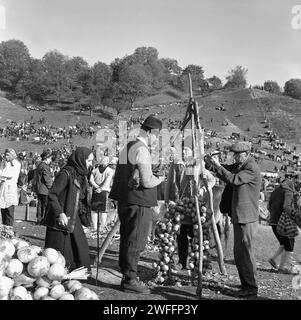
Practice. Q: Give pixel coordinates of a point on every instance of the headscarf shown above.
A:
(77, 160)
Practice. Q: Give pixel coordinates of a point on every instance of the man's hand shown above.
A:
(212, 161)
(63, 220)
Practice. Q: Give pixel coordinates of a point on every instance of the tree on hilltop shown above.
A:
(98, 83)
(197, 78)
(14, 63)
(237, 78)
(56, 75)
(32, 87)
(292, 88)
(214, 82)
(133, 82)
(272, 87)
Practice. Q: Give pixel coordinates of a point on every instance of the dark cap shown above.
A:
(240, 146)
(152, 122)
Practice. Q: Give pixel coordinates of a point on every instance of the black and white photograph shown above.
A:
(150, 153)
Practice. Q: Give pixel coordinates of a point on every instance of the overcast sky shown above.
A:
(216, 34)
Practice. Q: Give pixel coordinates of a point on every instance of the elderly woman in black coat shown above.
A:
(67, 205)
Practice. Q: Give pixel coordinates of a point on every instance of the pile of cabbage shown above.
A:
(28, 272)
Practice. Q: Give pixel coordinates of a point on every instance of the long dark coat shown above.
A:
(62, 199)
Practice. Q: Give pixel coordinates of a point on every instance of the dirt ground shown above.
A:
(272, 286)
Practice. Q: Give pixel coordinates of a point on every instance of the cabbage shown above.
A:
(5, 286)
(73, 285)
(83, 294)
(19, 293)
(40, 292)
(57, 291)
(26, 254)
(14, 268)
(56, 272)
(67, 296)
(19, 243)
(3, 257)
(37, 249)
(7, 247)
(51, 254)
(38, 267)
(61, 259)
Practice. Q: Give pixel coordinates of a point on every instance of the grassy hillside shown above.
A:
(245, 112)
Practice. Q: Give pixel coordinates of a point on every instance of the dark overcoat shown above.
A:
(43, 179)
(63, 198)
(246, 182)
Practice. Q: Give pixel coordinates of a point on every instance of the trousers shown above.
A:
(41, 206)
(7, 215)
(186, 230)
(135, 222)
(243, 254)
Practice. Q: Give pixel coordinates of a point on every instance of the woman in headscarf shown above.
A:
(9, 173)
(67, 202)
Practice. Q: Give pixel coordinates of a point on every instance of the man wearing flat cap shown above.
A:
(135, 189)
(245, 178)
(42, 182)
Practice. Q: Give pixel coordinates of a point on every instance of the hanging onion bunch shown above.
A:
(183, 211)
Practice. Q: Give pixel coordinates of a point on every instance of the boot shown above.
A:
(134, 286)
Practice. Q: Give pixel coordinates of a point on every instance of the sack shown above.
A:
(286, 227)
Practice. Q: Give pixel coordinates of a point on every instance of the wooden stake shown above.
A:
(216, 235)
(201, 255)
(213, 222)
(108, 240)
(200, 227)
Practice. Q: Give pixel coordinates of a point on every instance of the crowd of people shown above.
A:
(76, 188)
(43, 133)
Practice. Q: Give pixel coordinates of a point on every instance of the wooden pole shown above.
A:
(108, 240)
(195, 186)
(213, 222)
(97, 261)
(216, 235)
(27, 212)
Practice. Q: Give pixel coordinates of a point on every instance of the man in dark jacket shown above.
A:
(43, 182)
(245, 178)
(135, 189)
